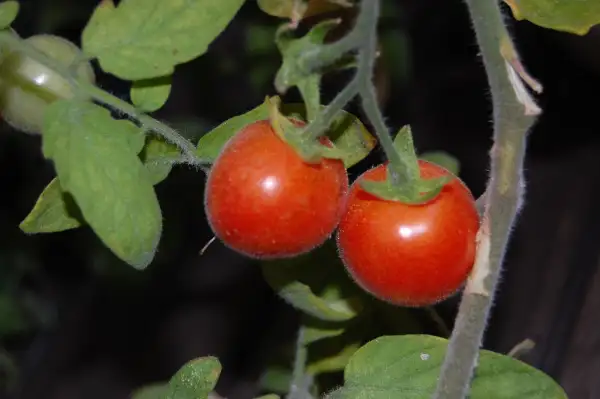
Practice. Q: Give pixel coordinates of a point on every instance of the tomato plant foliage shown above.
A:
(107, 167)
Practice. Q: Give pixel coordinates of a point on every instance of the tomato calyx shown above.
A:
(291, 130)
(406, 185)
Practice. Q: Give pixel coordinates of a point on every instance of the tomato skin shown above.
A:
(264, 201)
(409, 255)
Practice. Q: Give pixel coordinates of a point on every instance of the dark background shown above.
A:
(77, 323)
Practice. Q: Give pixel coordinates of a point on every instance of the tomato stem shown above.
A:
(87, 90)
(514, 114)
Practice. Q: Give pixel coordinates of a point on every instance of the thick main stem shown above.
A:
(502, 203)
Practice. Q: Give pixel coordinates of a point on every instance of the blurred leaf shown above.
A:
(158, 157)
(334, 362)
(347, 132)
(443, 159)
(297, 9)
(149, 95)
(143, 39)
(154, 391)
(211, 144)
(408, 366)
(195, 380)
(269, 396)
(8, 12)
(276, 379)
(315, 329)
(260, 39)
(53, 212)
(12, 318)
(96, 163)
(573, 16)
(315, 283)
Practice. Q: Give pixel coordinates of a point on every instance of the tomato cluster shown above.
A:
(264, 201)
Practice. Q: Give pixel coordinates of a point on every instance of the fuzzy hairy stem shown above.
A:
(90, 91)
(513, 115)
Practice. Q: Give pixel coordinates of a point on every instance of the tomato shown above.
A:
(27, 87)
(264, 201)
(409, 255)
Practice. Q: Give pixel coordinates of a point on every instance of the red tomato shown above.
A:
(263, 200)
(409, 255)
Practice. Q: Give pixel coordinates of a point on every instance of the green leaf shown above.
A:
(315, 329)
(442, 159)
(408, 367)
(143, 39)
(53, 212)
(294, 9)
(150, 95)
(574, 16)
(211, 144)
(276, 379)
(351, 138)
(334, 362)
(153, 391)
(8, 13)
(291, 73)
(158, 157)
(269, 396)
(97, 163)
(195, 380)
(315, 283)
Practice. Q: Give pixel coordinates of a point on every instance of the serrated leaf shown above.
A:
(143, 39)
(8, 13)
(350, 137)
(96, 163)
(149, 95)
(563, 15)
(315, 283)
(408, 366)
(211, 144)
(158, 157)
(443, 159)
(154, 391)
(195, 380)
(53, 212)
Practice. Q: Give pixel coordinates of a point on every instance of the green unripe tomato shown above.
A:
(28, 87)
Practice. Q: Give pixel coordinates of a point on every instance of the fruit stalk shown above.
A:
(512, 120)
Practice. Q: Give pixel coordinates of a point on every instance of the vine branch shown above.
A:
(301, 381)
(88, 90)
(514, 113)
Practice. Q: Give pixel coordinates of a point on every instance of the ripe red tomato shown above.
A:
(263, 200)
(409, 255)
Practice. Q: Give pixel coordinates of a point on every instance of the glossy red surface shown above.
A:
(411, 255)
(263, 200)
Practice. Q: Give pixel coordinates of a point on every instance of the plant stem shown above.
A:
(301, 381)
(513, 117)
(87, 90)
